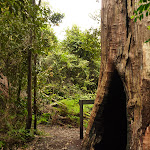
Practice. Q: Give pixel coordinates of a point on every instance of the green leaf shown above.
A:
(140, 1)
(146, 13)
(146, 6)
(141, 17)
(135, 19)
(135, 12)
(140, 8)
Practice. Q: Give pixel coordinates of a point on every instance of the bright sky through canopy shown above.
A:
(76, 12)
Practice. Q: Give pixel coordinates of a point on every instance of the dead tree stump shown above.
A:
(121, 113)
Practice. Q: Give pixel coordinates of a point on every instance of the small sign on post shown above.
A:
(81, 102)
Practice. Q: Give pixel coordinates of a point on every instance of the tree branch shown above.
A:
(39, 2)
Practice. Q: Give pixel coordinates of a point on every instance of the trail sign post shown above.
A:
(81, 102)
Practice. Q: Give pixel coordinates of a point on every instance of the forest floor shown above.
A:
(55, 138)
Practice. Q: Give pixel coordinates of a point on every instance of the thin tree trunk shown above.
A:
(19, 85)
(35, 93)
(35, 82)
(19, 89)
(29, 90)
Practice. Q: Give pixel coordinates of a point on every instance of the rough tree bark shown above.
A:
(120, 117)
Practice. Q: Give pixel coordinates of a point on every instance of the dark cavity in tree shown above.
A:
(114, 117)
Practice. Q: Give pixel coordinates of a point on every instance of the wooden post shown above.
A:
(81, 119)
(81, 102)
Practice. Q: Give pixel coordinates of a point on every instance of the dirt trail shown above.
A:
(56, 138)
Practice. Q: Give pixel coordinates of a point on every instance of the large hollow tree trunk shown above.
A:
(121, 113)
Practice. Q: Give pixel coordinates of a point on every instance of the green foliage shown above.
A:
(72, 111)
(23, 26)
(67, 74)
(72, 106)
(143, 9)
(21, 135)
(2, 144)
(66, 113)
(56, 18)
(44, 118)
(86, 46)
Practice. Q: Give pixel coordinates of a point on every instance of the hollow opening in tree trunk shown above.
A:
(114, 117)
